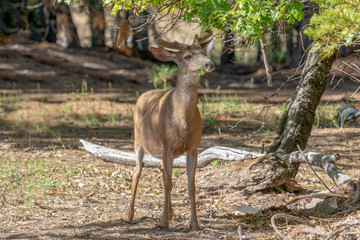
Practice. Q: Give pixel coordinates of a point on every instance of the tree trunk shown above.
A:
(65, 19)
(123, 32)
(50, 23)
(97, 20)
(296, 123)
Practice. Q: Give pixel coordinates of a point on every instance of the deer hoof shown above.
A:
(164, 224)
(195, 227)
(129, 216)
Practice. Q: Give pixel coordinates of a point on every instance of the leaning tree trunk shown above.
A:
(299, 116)
(295, 125)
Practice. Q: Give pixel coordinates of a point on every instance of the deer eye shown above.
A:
(188, 57)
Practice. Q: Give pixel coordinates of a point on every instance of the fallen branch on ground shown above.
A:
(204, 158)
(278, 215)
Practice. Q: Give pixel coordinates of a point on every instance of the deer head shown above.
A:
(189, 58)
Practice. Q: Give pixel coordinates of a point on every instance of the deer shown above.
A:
(168, 123)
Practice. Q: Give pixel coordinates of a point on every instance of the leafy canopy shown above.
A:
(336, 24)
(248, 18)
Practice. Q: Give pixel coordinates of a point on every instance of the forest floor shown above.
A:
(51, 189)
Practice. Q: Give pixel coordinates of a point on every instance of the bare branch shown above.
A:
(278, 215)
(266, 61)
(204, 158)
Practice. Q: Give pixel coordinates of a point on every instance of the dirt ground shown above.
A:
(51, 189)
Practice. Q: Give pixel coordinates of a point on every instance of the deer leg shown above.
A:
(135, 180)
(191, 161)
(167, 175)
(171, 210)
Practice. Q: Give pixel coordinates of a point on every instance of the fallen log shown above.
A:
(263, 172)
(204, 158)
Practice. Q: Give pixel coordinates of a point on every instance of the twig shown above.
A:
(303, 155)
(339, 231)
(316, 195)
(313, 231)
(274, 217)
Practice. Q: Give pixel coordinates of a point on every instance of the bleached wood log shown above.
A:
(204, 158)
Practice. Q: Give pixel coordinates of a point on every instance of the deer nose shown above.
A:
(209, 66)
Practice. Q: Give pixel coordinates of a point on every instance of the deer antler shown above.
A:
(171, 45)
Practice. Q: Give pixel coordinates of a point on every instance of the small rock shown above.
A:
(246, 209)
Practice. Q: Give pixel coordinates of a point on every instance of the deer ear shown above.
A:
(162, 54)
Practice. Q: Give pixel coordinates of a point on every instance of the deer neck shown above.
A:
(186, 92)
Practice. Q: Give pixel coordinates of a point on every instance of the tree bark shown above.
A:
(123, 32)
(299, 116)
(64, 18)
(97, 20)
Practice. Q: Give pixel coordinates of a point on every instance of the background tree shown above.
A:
(97, 22)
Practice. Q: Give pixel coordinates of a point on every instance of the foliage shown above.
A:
(336, 24)
(161, 74)
(246, 17)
